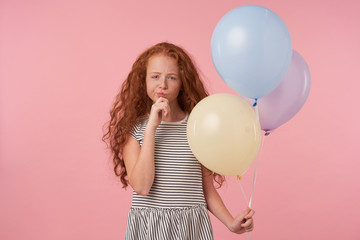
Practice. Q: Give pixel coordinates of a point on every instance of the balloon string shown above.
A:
(249, 237)
(254, 181)
(242, 189)
(255, 171)
(258, 157)
(244, 195)
(256, 108)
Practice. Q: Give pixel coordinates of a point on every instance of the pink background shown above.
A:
(62, 63)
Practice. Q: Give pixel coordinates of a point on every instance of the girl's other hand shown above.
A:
(159, 110)
(243, 222)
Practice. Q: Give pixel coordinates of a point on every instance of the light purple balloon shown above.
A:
(280, 105)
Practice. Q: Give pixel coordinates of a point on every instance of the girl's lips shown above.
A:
(161, 94)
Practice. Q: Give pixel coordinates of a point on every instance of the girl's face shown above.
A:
(162, 78)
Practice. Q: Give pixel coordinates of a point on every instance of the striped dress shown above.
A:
(175, 207)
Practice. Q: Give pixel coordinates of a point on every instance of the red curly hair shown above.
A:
(132, 103)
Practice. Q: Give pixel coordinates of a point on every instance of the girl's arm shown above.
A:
(243, 222)
(139, 161)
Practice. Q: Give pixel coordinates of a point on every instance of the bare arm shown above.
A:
(243, 222)
(139, 161)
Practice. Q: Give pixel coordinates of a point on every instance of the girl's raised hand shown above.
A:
(159, 110)
(243, 222)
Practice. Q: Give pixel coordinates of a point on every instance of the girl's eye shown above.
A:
(155, 76)
(172, 78)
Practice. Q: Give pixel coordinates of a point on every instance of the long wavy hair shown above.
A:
(132, 103)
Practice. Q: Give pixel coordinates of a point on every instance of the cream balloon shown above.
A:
(224, 134)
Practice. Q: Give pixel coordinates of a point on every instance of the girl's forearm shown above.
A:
(213, 200)
(217, 207)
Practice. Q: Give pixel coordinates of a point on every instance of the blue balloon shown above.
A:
(251, 49)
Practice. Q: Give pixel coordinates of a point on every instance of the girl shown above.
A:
(172, 191)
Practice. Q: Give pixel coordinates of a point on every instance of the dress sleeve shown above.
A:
(137, 131)
(134, 132)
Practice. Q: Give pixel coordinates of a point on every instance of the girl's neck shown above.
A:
(176, 114)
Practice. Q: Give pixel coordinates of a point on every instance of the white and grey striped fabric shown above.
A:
(175, 207)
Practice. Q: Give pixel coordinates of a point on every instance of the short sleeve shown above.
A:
(135, 131)
(138, 131)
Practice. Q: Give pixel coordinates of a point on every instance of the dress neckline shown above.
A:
(177, 122)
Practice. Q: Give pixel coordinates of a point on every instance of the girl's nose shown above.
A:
(163, 83)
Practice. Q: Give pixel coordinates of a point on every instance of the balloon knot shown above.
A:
(255, 103)
(239, 178)
(267, 133)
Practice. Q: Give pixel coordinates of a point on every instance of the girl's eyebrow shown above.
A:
(171, 73)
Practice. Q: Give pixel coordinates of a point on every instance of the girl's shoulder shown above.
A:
(139, 126)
